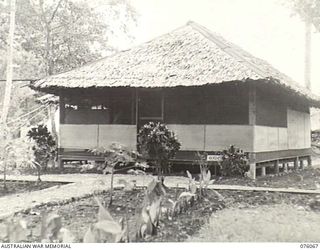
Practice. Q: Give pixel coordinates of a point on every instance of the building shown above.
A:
(206, 89)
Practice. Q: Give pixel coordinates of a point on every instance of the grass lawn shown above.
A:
(275, 223)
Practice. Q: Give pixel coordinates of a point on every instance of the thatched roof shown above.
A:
(188, 56)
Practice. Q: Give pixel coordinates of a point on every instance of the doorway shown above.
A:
(150, 106)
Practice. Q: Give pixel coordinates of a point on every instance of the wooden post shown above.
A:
(285, 167)
(133, 106)
(252, 121)
(60, 163)
(252, 105)
(301, 163)
(137, 108)
(162, 104)
(263, 171)
(252, 170)
(276, 167)
(296, 163)
(309, 161)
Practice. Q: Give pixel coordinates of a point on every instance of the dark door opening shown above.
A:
(150, 106)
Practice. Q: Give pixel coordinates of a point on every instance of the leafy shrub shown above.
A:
(234, 162)
(116, 157)
(51, 230)
(315, 137)
(158, 143)
(205, 174)
(106, 229)
(45, 146)
(148, 221)
(22, 155)
(16, 154)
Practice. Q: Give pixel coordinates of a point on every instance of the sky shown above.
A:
(265, 28)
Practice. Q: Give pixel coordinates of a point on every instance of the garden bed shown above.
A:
(78, 215)
(17, 186)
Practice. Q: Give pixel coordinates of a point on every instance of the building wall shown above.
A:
(221, 104)
(271, 110)
(295, 136)
(88, 136)
(250, 138)
(213, 137)
(201, 124)
(270, 138)
(298, 129)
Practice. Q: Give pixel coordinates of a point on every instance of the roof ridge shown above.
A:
(180, 51)
(221, 42)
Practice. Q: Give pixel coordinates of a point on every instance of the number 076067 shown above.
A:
(308, 245)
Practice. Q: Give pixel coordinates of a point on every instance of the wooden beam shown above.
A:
(20, 80)
(282, 154)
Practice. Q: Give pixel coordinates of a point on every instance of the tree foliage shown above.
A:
(116, 158)
(308, 10)
(16, 154)
(157, 142)
(45, 146)
(55, 36)
(234, 162)
(60, 35)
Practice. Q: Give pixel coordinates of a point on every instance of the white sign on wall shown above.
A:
(214, 157)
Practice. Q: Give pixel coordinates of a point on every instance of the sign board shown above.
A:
(214, 157)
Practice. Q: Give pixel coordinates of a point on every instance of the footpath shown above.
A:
(82, 185)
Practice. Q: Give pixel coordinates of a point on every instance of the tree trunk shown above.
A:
(8, 88)
(111, 188)
(48, 51)
(307, 59)
(39, 174)
(5, 176)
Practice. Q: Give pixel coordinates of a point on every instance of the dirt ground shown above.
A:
(79, 215)
(308, 178)
(272, 223)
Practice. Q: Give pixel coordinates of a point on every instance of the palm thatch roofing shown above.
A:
(188, 56)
